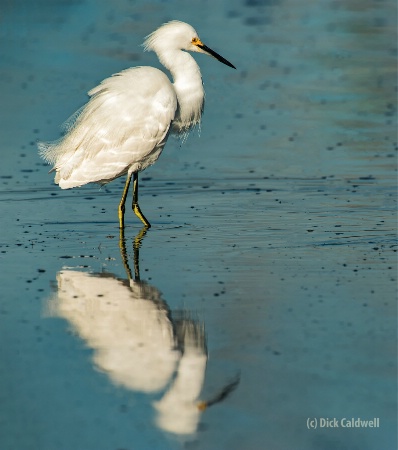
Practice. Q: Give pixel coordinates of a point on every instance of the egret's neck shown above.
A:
(188, 86)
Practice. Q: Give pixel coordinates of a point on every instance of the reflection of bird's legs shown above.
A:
(123, 253)
(135, 206)
(136, 247)
(123, 201)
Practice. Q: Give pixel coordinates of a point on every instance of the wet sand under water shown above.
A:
(271, 262)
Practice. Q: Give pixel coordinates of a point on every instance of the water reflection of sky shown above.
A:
(275, 227)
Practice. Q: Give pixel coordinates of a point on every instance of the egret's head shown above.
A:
(176, 35)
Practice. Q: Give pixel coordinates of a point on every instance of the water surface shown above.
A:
(271, 262)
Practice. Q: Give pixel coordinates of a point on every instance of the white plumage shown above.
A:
(126, 123)
(117, 130)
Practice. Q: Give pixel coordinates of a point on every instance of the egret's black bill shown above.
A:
(215, 55)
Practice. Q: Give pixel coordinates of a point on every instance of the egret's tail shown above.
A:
(49, 151)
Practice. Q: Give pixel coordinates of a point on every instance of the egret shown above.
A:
(125, 124)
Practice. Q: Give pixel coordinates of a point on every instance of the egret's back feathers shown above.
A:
(116, 130)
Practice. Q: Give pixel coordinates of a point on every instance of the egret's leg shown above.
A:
(135, 205)
(123, 201)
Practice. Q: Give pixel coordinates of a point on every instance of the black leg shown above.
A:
(123, 201)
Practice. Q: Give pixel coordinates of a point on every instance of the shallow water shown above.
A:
(271, 264)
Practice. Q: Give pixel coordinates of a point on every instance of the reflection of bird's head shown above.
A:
(178, 410)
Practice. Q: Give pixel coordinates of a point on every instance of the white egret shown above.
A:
(125, 124)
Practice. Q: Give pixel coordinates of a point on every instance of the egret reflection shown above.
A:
(137, 341)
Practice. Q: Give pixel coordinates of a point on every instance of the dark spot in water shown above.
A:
(254, 3)
(123, 408)
(258, 20)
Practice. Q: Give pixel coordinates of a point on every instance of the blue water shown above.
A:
(271, 261)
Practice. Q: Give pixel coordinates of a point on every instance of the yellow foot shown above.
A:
(138, 213)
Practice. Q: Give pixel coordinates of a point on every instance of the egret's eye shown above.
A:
(195, 40)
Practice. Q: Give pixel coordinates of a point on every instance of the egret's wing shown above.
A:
(70, 122)
(127, 119)
(138, 103)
